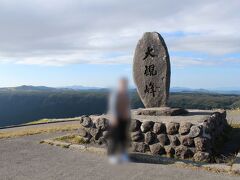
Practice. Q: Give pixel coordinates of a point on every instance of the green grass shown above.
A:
(40, 121)
(37, 130)
(73, 139)
(45, 120)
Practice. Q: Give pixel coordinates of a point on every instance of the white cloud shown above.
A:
(181, 62)
(58, 33)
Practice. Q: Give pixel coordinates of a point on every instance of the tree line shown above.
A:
(17, 107)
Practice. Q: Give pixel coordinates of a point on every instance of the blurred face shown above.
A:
(123, 85)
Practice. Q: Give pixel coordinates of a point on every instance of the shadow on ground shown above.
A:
(227, 153)
(149, 159)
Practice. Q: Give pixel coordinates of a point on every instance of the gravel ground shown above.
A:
(24, 158)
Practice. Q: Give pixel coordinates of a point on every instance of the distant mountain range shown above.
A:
(28, 88)
(78, 88)
(45, 88)
(75, 87)
(217, 90)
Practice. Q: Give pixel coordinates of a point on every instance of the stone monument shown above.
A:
(151, 72)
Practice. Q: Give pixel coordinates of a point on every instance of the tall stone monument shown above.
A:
(151, 70)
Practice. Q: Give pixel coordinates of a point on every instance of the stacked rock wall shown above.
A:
(182, 140)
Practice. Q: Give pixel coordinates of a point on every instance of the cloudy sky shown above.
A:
(92, 42)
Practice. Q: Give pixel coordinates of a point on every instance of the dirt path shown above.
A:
(24, 158)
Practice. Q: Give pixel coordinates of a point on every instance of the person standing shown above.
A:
(119, 106)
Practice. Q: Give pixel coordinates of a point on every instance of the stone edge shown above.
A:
(217, 168)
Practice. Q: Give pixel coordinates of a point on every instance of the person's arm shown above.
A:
(129, 105)
(113, 109)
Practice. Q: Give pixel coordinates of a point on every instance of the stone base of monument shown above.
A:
(192, 136)
(161, 111)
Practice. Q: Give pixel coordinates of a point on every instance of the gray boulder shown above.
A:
(149, 138)
(172, 128)
(81, 119)
(139, 147)
(195, 131)
(159, 128)
(187, 141)
(157, 148)
(185, 128)
(102, 123)
(183, 152)
(135, 125)
(163, 139)
(95, 133)
(202, 157)
(86, 121)
(147, 126)
(202, 144)
(174, 140)
(170, 151)
(105, 134)
(137, 136)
